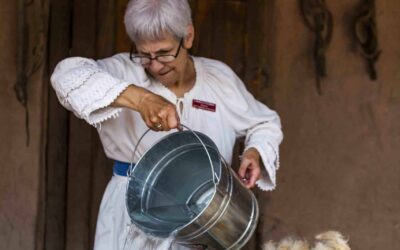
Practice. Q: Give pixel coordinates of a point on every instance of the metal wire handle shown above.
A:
(214, 174)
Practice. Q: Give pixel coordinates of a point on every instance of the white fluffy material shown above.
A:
(330, 240)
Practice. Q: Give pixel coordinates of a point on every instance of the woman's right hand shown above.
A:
(158, 113)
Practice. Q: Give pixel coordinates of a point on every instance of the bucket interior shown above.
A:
(172, 183)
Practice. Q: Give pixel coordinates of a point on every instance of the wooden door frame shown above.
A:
(67, 224)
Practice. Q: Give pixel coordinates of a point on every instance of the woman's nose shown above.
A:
(155, 65)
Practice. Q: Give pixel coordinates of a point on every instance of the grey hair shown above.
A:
(153, 19)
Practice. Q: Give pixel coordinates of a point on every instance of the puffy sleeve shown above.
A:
(259, 124)
(88, 87)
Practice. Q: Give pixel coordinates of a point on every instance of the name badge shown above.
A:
(204, 105)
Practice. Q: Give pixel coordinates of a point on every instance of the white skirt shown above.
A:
(114, 231)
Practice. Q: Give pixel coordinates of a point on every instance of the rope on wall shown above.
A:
(365, 31)
(318, 19)
(29, 61)
(20, 86)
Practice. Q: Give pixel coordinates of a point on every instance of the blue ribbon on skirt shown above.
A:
(121, 168)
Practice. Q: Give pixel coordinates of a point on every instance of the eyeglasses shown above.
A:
(146, 60)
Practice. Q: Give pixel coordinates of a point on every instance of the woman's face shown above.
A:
(168, 73)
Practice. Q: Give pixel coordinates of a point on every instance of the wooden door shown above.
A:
(233, 31)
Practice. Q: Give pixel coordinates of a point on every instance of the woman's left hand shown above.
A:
(250, 170)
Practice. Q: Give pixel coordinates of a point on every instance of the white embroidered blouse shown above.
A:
(88, 87)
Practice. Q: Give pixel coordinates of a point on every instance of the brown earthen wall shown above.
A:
(340, 157)
(21, 170)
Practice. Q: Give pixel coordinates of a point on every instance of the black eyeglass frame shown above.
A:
(140, 57)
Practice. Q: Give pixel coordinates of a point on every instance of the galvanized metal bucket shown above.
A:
(182, 186)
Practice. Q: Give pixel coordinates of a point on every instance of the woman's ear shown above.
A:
(188, 40)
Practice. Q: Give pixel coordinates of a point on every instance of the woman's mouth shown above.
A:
(164, 73)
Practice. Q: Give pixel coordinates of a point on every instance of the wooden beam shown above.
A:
(80, 137)
(101, 166)
(57, 131)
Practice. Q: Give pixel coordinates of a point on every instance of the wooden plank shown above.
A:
(57, 132)
(220, 27)
(123, 42)
(228, 29)
(101, 166)
(259, 51)
(80, 139)
(106, 28)
(202, 22)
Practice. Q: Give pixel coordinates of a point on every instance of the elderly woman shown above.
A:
(161, 87)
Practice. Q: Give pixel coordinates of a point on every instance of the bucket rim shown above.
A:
(165, 138)
(209, 144)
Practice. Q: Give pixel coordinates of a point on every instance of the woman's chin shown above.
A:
(167, 80)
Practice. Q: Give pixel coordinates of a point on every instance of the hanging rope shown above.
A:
(365, 31)
(318, 19)
(34, 30)
(20, 86)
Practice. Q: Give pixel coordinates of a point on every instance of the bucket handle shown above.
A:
(214, 174)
